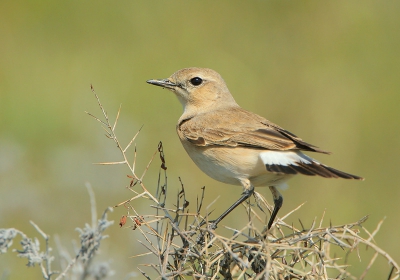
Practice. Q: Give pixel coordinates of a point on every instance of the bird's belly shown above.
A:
(233, 164)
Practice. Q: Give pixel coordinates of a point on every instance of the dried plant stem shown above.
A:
(183, 249)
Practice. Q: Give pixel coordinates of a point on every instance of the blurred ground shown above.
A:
(327, 71)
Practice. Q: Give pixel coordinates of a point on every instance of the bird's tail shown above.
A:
(298, 163)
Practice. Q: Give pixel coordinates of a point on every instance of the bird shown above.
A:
(236, 146)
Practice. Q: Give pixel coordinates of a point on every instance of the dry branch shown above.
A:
(183, 249)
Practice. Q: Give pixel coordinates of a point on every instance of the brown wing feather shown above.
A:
(239, 127)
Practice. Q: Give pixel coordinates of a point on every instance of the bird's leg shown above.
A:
(249, 190)
(246, 194)
(278, 201)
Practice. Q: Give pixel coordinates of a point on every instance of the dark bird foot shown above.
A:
(211, 226)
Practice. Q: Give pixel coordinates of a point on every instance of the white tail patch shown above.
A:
(285, 158)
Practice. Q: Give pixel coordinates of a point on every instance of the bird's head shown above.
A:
(198, 89)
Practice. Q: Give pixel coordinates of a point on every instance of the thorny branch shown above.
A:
(286, 252)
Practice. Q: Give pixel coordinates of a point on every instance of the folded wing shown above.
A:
(240, 128)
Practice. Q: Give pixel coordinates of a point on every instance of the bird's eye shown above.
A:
(196, 81)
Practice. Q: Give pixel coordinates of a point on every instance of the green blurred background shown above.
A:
(327, 71)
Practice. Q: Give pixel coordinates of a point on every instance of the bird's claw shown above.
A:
(211, 226)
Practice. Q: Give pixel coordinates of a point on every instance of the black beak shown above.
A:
(165, 83)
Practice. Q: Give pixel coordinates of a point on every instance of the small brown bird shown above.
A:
(235, 146)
